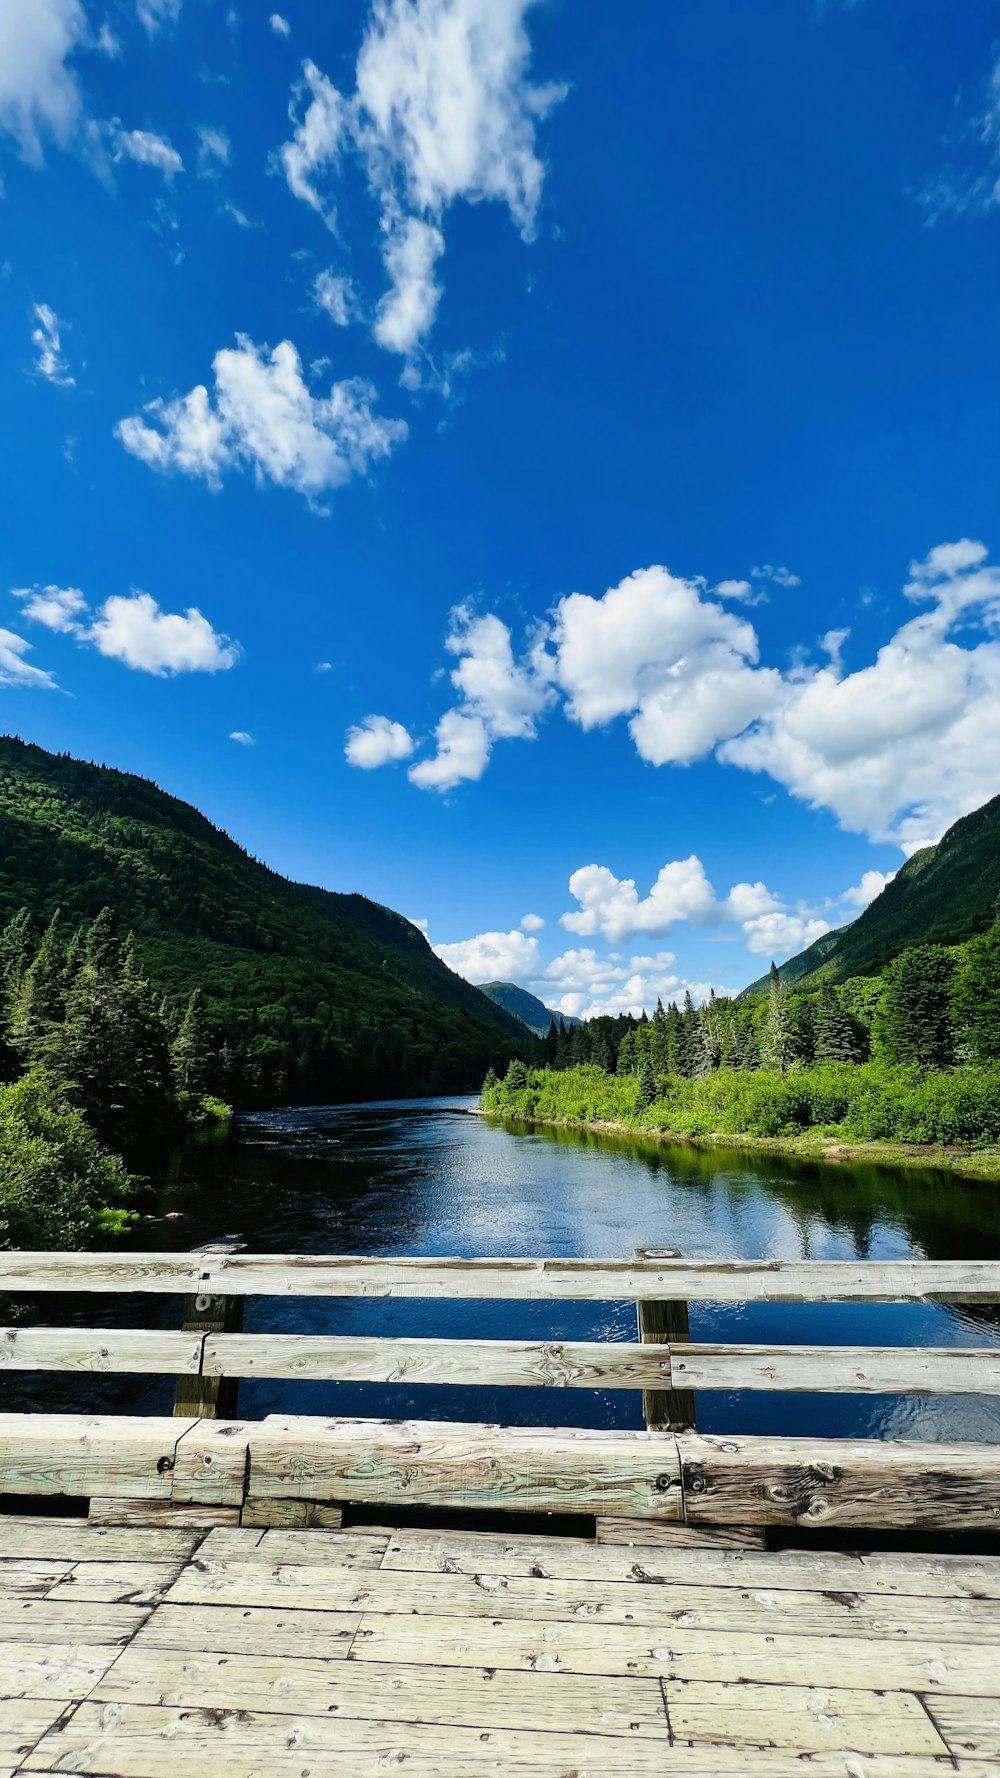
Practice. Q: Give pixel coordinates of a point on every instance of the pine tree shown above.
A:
(777, 1044)
(677, 1048)
(41, 1002)
(976, 996)
(914, 1018)
(191, 1050)
(516, 1077)
(16, 947)
(647, 1086)
(701, 1050)
(837, 1037)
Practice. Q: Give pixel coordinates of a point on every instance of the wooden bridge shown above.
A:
(272, 1599)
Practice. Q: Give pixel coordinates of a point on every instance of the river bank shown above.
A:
(815, 1145)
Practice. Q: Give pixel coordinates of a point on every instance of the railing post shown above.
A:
(664, 1323)
(209, 1398)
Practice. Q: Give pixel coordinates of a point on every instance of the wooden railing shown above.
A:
(668, 1472)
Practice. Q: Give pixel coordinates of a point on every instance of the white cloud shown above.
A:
(970, 187)
(49, 360)
(215, 151)
(872, 883)
(58, 608)
(656, 647)
(154, 14)
(39, 92)
(376, 741)
(779, 576)
(15, 670)
(244, 739)
(336, 296)
(442, 109)
(781, 934)
(532, 923)
(135, 631)
(492, 956)
(147, 148)
(463, 752)
(742, 592)
(682, 892)
(262, 415)
(279, 25)
(406, 312)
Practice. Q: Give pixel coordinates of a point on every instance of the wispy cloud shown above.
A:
(45, 337)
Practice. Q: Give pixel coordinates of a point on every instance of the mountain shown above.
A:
(942, 895)
(308, 994)
(527, 1007)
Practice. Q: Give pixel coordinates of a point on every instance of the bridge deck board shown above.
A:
(455, 1655)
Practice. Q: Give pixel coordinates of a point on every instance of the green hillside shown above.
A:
(524, 1006)
(943, 895)
(309, 994)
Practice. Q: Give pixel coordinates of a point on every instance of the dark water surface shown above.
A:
(426, 1177)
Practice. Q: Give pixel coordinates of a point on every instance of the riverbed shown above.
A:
(428, 1177)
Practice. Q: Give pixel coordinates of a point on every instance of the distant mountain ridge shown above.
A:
(527, 1007)
(316, 993)
(944, 894)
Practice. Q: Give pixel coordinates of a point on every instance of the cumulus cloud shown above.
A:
(58, 608)
(897, 749)
(442, 109)
(872, 883)
(133, 630)
(502, 698)
(39, 90)
(241, 735)
(376, 741)
(279, 25)
(49, 360)
(492, 956)
(261, 415)
(613, 907)
(579, 983)
(532, 923)
(15, 670)
(337, 297)
(147, 148)
(778, 576)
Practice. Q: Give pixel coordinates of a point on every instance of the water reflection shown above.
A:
(428, 1177)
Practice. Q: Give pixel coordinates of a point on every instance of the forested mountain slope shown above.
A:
(942, 895)
(525, 1006)
(308, 993)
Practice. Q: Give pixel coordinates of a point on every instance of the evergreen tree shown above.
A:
(802, 1028)
(516, 1077)
(676, 1040)
(914, 1018)
(837, 1035)
(191, 1051)
(647, 1086)
(16, 947)
(777, 1042)
(976, 995)
(701, 1049)
(41, 1002)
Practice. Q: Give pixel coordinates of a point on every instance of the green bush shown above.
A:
(58, 1186)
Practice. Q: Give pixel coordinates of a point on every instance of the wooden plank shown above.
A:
(31, 1576)
(855, 1370)
(558, 1558)
(98, 1349)
(593, 1280)
(76, 1454)
(22, 1722)
(221, 1629)
(970, 1726)
(211, 1463)
(116, 1583)
(290, 1513)
(480, 1363)
(69, 1620)
(319, 1547)
(680, 1536)
(209, 1397)
(489, 1594)
(56, 1670)
(160, 1513)
(897, 1663)
(629, 1708)
(439, 1463)
(77, 1540)
(846, 1482)
(807, 1718)
(149, 1741)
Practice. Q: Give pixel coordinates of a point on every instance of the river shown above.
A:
(426, 1177)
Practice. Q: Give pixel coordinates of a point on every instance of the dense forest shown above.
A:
(911, 1053)
(306, 995)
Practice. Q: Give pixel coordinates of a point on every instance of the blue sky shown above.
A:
(535, 464)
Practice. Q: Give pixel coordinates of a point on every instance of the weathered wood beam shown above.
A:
(215, 1395)
(101, 1349)
(660, 1323)
(491, 1363)
(855, 1370)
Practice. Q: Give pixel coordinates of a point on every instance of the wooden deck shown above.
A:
(136, 1652)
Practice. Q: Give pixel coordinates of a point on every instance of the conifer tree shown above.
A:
(647, 1086)
(914, 1018)
(40, 1004)
(16, 947)
(777, 1044)
(191, 1050)
(837, 1038)
(976, 996)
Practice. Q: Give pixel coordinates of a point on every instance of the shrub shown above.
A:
(58, 1186)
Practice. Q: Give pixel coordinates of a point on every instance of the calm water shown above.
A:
(428, 1178)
